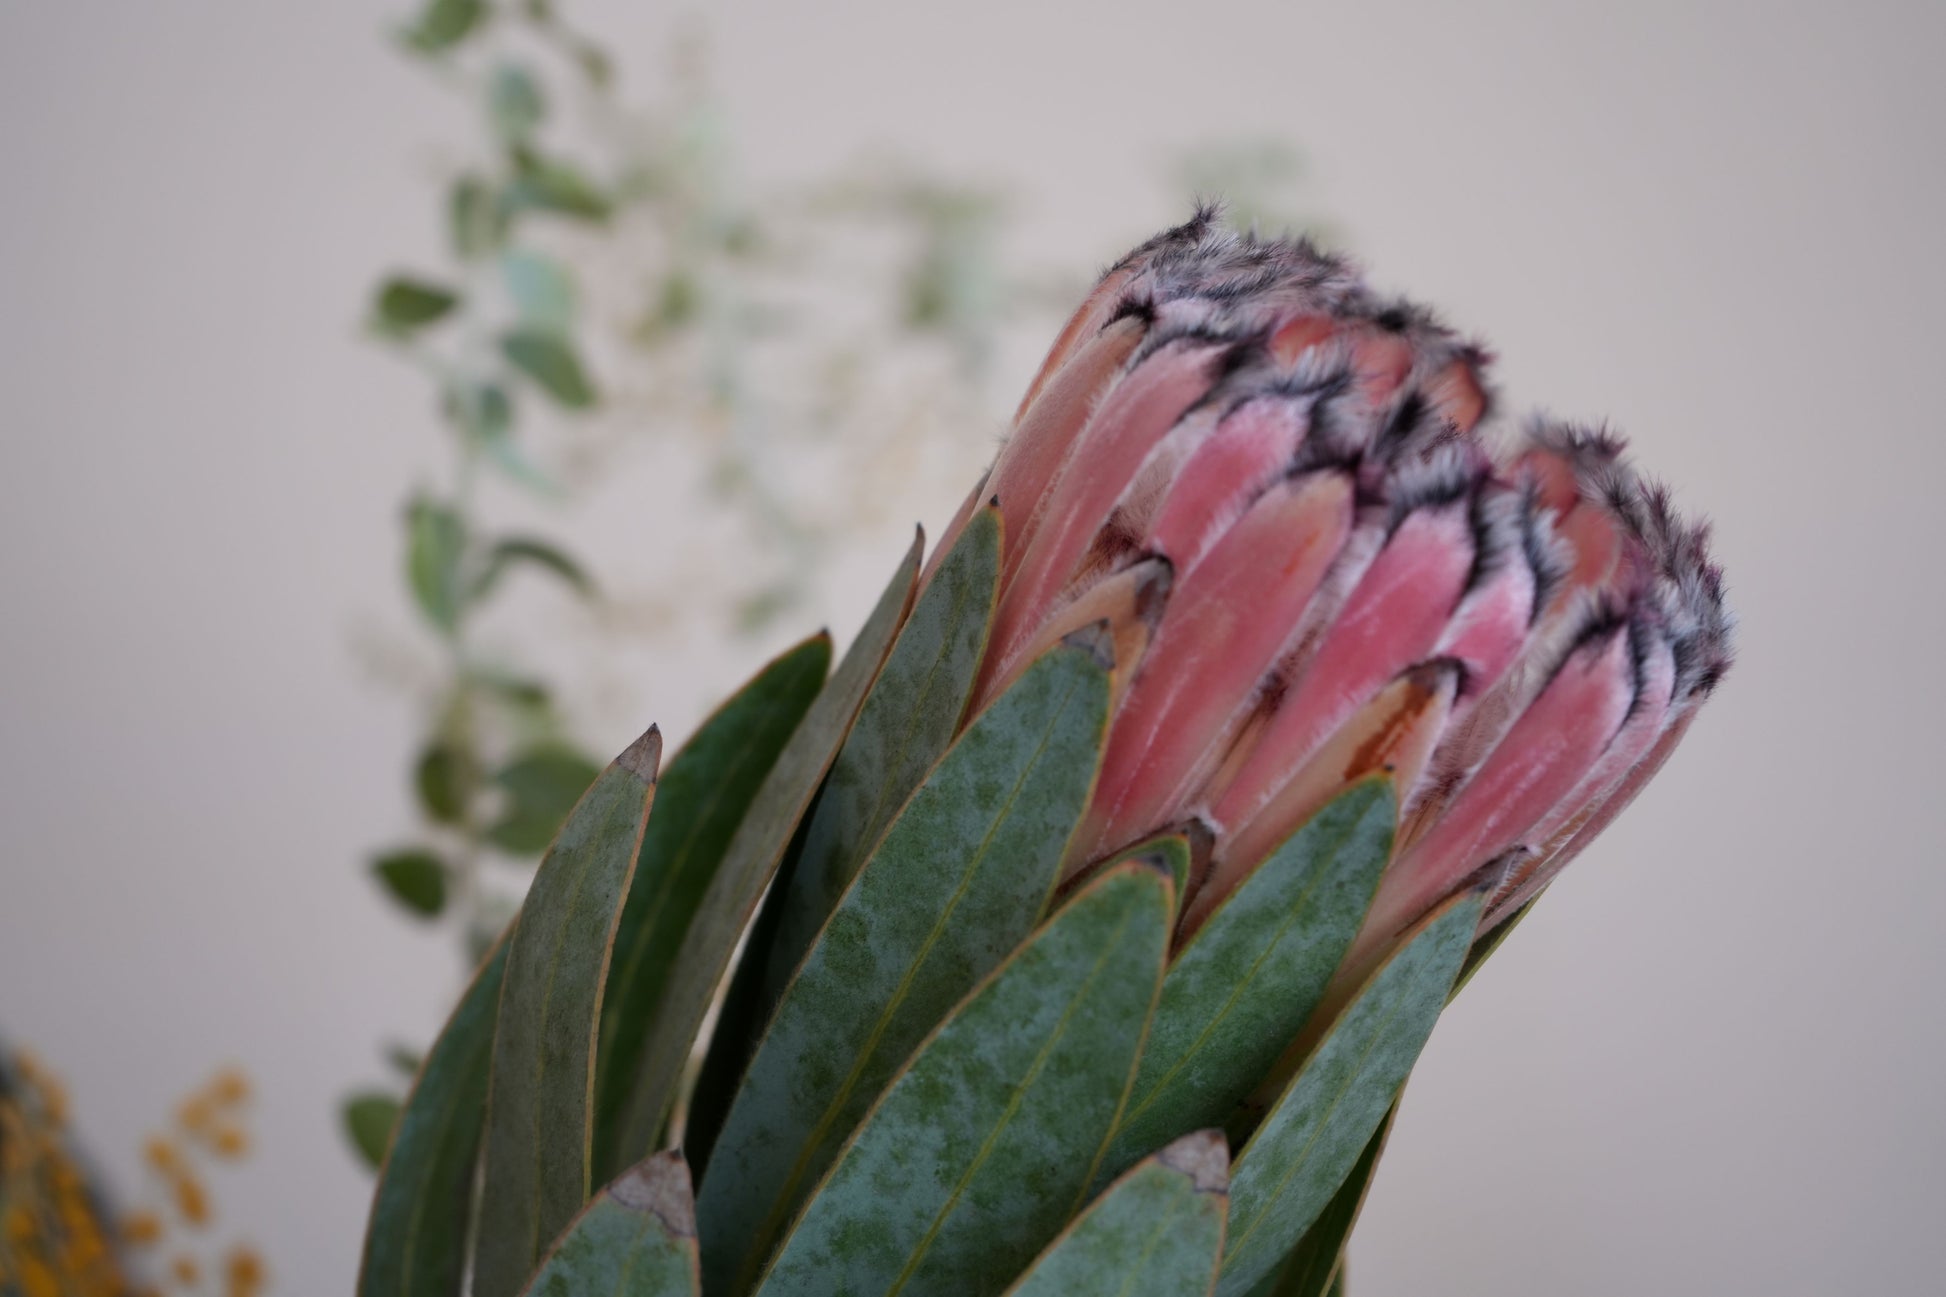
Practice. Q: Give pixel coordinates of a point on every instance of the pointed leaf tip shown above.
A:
(660, 1187)
(642, 757)
(1203, 1156)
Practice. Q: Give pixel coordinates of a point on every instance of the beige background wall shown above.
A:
(1712, 1065)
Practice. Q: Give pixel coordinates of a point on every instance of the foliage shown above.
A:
(936, 1096)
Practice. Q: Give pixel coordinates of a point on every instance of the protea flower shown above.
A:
(1268, 483)
(1119, 872)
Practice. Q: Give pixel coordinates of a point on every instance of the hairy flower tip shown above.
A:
(1271, 486)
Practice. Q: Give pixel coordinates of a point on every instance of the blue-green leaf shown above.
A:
(911, 715)
(983, 1147)
(1155, 1232)
(637, 1238)
(550, 362)
(705, 793)
(514, 103)
(476, 219)
(542, 289)
(1319, 1259)
(958, 881)
(1317, 1128)
(749, 863)
(540, 1113)
(415, 1244)
(1244, 985)
(435, 544)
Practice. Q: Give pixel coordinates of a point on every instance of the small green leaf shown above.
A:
(514, 103)
(442, 24)
(542, 786)
(540, 1114)
(415, 1242)
(1245, 984)
(1155, 1232)
(435, 544)
(515, 550)
(405, 304)
(542, 289)
(555, 185)
(407, 1060)
(706, 793)
(958, 881)
(551, 364)
(906, 723)
(637, 1238)
(1318, 1127)
(416, 878)
(983, 1146)
(476, 219)
(369, 1119)
(441, 780)
(749, 864)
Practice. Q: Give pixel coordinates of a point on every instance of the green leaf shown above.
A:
(959, 880)
(435, 544)
(515, 550)
(476, 219)
(514, 103)
(749, 863)
(636, 1239)
(369, 1120)
(406, 1059)
(542, 786)
(1245, 984)
(984, 1145)
(515, 690)
(555, 185)
(406, 304)
(911, 715)
(542, 289)
(540, 1112)
(440, 778)
(1317, 1264)
(706, 793)
(442, 24)
(1314, 1133)
(416, 878)
(1156, 1232)
(551, 364)
(415, 1243)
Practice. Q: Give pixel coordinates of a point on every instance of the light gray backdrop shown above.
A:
(1711, 1065)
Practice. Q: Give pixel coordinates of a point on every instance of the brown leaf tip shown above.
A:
(660, 1187)
(642, 757)
(1203, 1156)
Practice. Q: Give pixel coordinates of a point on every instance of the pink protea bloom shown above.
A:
(1282, 496)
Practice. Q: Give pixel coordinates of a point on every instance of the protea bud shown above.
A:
(1272, 487)
(1110, 886)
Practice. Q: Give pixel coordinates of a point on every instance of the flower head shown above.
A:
(1274, 488)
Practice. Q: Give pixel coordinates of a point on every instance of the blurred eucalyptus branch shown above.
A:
(806, 358)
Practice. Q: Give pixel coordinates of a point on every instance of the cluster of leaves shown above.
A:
(932, 1070)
